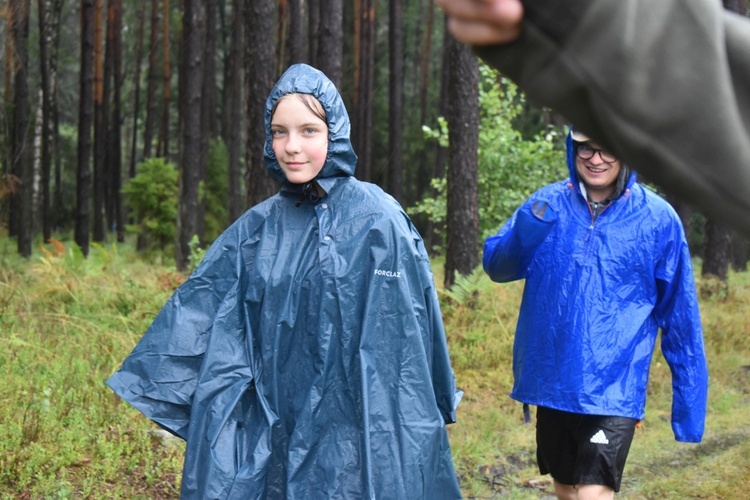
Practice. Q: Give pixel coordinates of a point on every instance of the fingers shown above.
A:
(481, 33)
(483, 22)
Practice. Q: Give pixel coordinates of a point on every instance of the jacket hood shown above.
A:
(625, 181)
(303, 79)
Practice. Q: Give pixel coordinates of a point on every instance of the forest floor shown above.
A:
(66, 323)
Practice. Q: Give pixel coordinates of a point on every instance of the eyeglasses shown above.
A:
(586, 152)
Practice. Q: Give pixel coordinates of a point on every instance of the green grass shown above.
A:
(67, 323)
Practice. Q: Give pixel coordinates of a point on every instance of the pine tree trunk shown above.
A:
(330, 53)
(462, 252)
(100, 128)
(118, 212)
(296, 34)
(46, 136)
(83, 187)
(194, 35)
(163, 144)
(436, 230)
(234, 105)
(313, 30)
(140, 16)
(396, 100)
(54, 30)
(21, 160)
(149, 125)
(208, 109)
(716, 251)
(260, 55)
(739, 252)
(362, 119)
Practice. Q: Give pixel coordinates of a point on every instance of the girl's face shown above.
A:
(300, 137)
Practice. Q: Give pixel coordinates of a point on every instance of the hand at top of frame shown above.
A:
(483, 22)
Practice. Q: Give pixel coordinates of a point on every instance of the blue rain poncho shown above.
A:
(306, 356)
(596, 295)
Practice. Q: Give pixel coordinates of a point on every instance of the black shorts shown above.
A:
(583, 449)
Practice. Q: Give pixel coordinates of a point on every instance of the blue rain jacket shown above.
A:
(306, 356)
(595, 296)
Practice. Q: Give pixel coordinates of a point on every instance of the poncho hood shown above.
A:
(303, 79)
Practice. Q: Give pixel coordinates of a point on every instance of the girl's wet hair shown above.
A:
(308, 100)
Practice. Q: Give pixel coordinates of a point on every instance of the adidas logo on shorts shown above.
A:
(599, 438)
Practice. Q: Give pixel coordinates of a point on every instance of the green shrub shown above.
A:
(152, 196)
(510, 166)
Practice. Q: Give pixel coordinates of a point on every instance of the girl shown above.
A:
(306, 356)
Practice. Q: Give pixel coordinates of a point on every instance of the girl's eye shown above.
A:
(277, 132)
(310, 130)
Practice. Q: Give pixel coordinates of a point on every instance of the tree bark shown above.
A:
(149, 125)
(100, 128)
(330, 53)
(54, 30)
(140, 28)
(462, 253)
(436, 230)
(716, 251)
(194, 26)
(46, 138)
(739, 252)
(83, 184)
(163, 144)
(21, 160)
(362, 119)
(424, 173)
(234, 105)
(313, 30)
(209, 116)
(260, 55)
(115, 135)
(396, 100)
(296, 34)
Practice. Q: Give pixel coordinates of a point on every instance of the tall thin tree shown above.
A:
(100, 127)
(330, 55)
(313, 30)
(20, 150)
(85, 118)
(163, 144)
(54, 30)
(362, 117)
(193, 40)
(260, 54)
(140, 22)
(234, 101)
(424, 173)
(396, 99)
(114, 26)
(46, 127)
(462, 251)
(149, 124)
(436, 230)
(296, 32)
(209, 115)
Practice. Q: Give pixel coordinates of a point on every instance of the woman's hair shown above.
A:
(308, 100)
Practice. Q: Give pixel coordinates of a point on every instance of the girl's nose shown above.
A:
(293, 143)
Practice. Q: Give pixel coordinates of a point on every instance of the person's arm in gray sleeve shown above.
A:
(664, 85)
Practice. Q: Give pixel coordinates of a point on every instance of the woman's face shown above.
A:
(300, 137)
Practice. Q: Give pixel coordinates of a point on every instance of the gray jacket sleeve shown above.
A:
(665, 85)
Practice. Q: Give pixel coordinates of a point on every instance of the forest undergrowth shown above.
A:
(67, 323)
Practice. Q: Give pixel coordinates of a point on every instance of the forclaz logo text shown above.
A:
(388, 274)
